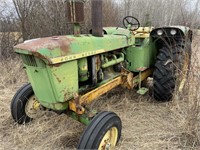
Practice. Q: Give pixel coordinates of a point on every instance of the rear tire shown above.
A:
(163, 77)
(103, 132)
(170, 62)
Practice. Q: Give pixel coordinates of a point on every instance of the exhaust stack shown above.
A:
(75, 14)
(97, 16)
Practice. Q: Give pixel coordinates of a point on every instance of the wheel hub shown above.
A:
(109, 140)
(33, 109)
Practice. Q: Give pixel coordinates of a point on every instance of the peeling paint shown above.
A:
(62, 42)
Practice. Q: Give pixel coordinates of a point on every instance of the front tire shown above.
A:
(18, 104)
(103, 132)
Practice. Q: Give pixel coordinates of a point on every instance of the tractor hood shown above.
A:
(66, 48)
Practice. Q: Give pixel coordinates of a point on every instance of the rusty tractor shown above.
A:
(67, 73)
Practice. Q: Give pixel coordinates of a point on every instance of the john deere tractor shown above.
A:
(67, 73)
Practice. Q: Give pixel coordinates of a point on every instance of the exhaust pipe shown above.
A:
(97, 16)
(75, 14)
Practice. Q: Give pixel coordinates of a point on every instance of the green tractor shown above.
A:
(67, 73)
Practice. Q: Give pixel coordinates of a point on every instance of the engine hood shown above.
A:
(66, 48)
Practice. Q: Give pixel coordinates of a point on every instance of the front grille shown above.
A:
(29, 60)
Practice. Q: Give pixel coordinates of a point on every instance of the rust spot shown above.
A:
(57, 78)
(55, 65)
(75, 12)
(64, 45)
(62, 42)
(98, 62)
(41, 56)
(65, 93)
(66, 96)
(76, 98)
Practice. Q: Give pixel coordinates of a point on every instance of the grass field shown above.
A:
(147, 124)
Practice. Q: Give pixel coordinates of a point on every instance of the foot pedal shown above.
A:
(142, 91)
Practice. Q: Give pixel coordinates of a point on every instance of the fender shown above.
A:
(171, 33)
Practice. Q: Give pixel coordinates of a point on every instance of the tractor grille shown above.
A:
(29, 60)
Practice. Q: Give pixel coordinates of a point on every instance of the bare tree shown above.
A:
(23, 9)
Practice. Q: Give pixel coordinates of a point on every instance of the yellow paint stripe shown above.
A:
(75, 56)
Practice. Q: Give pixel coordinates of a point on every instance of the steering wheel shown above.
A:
(130, 20)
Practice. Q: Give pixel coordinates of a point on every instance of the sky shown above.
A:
(7, 7)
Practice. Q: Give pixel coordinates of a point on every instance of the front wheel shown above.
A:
(102, 133)
(24, 105)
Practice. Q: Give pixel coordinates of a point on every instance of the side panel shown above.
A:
(140, 57)
(64, 80)
(41, 84)
(52, 85)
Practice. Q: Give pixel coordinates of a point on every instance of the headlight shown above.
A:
(173, 32)
(160, 32)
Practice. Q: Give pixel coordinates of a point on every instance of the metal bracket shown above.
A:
(142, 90)
(75, 105)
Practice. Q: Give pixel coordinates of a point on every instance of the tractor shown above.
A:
(67, 73)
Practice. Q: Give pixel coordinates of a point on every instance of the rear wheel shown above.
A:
(171, 66)
(24, 105)
(102, 133)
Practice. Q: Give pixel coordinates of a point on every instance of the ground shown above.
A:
(147, 124)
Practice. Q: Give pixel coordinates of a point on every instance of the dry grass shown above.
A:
(147, 124)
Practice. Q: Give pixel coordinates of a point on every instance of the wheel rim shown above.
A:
(109, 140)
(33, 108)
